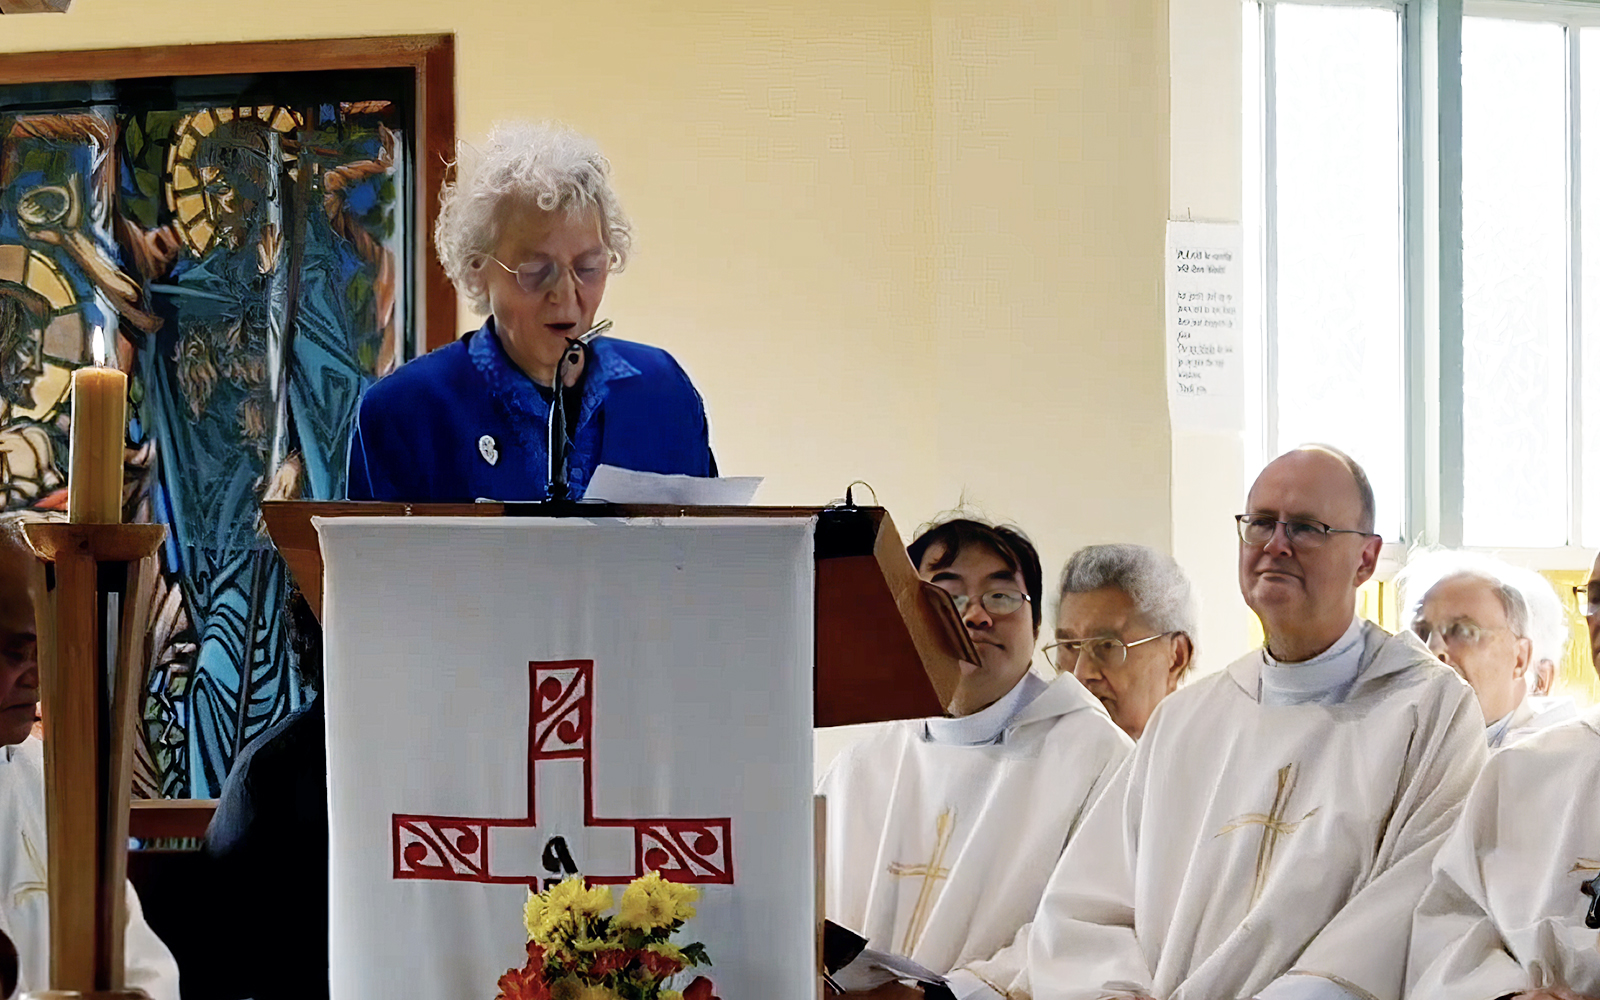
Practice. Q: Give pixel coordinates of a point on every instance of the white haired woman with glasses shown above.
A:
(529, 234)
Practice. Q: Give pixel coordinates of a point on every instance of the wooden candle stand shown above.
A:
(91, 594)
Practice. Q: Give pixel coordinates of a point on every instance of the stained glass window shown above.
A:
(244, 241)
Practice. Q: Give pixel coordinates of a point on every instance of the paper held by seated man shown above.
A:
(1505, 911)
(1273, 850)
(939, 851)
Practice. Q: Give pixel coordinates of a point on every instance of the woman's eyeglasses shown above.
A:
(539, 276)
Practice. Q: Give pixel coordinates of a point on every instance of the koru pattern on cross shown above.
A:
(560, 728)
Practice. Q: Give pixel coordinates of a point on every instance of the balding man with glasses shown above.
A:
(1272, 832)
(942, 832)
(1476, 614)
(1512, 910)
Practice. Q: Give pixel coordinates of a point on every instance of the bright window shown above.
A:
(1440, 326)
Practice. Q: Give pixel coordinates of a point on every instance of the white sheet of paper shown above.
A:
(871, 969)
(619, 485)
(1205, 340)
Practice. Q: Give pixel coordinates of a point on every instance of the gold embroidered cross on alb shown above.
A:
(932, 873)
(1273, 825)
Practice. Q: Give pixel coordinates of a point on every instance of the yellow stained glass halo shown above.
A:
(191, 188)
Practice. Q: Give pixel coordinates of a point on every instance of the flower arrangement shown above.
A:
(576, 951)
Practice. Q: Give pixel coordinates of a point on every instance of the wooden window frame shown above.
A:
(431, 57)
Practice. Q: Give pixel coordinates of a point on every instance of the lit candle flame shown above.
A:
(98, 346)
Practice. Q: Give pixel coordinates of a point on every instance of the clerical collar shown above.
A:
(988, 725)
(1325, 678)
(1498, 729)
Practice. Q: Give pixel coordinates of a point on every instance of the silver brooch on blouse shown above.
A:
(487, 449)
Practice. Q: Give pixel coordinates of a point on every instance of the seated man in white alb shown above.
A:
(1511, 910)
(1474, 618)
(24, 906)
(942, 832)
(1272, 832)
(1125, 628)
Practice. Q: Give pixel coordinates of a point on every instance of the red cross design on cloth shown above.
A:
(560, 718)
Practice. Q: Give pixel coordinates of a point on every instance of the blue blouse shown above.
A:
(463, 422)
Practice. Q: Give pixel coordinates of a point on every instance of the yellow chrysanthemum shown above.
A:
(533, 913)
(595, 993)
(553, 928)
(670, 995)
(574, 896)
(682, 897)
(651, 902)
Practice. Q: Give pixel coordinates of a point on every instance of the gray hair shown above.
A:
(1547, 616)
(1426, 570)
(1160, 591)
(544, 163)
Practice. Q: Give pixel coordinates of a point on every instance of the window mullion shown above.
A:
(1441, 93)
(1269, 223)
(1575, 470)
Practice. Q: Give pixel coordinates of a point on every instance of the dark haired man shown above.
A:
(941, 832)
(24, 898)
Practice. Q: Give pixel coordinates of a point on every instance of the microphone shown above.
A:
(559, 442)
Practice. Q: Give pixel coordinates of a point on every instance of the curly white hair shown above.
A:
(545, 163)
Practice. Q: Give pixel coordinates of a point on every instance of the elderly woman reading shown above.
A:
(530, 236)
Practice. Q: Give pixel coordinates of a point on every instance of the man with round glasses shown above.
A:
(941, 832)
(1125, 628)
(1512, 910)
(1476, 615)
(1271, 834)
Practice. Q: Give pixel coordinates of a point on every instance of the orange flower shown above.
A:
(660, 966)
(526, 983)
(700, 989)
(609, 961)
(522, 984)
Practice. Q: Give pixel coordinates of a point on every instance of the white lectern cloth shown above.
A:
(699, 632)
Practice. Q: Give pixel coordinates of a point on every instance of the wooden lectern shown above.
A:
(888, 645)
(885, 646)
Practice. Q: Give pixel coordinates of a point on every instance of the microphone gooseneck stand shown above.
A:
(557, 487)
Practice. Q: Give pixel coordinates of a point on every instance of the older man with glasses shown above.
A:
(941, 832)
(1272, 832)
(1125, 628)
(1513, 910)
(1476, 614)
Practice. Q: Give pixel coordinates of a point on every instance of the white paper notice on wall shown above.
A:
(1205, 362)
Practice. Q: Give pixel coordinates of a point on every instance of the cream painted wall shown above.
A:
(916, 242)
